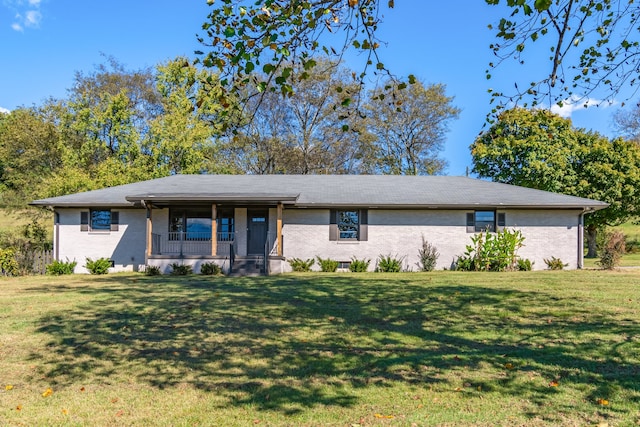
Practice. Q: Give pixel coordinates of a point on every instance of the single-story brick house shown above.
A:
(236, 219)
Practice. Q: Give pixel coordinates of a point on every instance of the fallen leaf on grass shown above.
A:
(48, 392)
(386, 417)
(509, 365)
(554, 384)
(65, 412)
(120, 413)
(603, 402)
(82, 388)
(8, 387)
(19, 408)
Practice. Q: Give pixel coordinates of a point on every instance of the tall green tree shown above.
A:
(410, 126)
(183, 138)
(29, 152)
(537, 149)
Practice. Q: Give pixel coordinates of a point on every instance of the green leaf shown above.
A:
(542, 5)
(229, 32)
(268, 68)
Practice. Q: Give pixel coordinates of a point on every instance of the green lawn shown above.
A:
(446, 348)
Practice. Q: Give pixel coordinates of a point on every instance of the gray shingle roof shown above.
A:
(327, 190)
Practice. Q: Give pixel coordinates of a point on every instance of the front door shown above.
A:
(257, 231)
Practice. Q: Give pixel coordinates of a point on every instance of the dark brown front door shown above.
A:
(257, 231)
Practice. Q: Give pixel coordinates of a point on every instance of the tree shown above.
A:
(537, 149)
(592, 45)
(29, 152)
(267, 35)
(410, 127)
(182, 138)
(627, 123)
(308, 131)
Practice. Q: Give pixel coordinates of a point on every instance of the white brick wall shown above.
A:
(399, 233)
(126, 247)
(306, 235)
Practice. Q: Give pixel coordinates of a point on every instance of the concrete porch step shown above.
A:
(248, 266)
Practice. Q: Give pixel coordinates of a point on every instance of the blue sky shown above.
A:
(44, 42)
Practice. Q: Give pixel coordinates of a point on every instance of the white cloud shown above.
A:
(27, 13)
(32, 18)
(575, 102)
(4, 111)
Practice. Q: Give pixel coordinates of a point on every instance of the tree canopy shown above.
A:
(592, 45)
(265, 35)
(537, 149)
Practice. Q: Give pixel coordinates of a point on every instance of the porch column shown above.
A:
(214, 230)
(279, 229)
(149, 235)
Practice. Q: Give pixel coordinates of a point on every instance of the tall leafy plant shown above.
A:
(492, 251)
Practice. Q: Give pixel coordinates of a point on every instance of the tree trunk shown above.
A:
(591, 232)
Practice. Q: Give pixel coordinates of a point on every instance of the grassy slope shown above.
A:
(540, 348)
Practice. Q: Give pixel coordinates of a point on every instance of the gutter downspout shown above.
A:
(581, 239)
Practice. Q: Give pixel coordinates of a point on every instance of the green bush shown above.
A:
(58, 268)
(27, 243)
(300, 265)
(359, 265)
(632, 245)
(389, 264)
(327, 265)
(612, 251)
(428, 255)
(152, 270)
(524, 264)
(492, 252)
(181, 269)
(210, 269)
(555, 263)
(8, 264)
(99, 266)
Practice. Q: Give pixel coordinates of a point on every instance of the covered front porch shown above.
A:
(233, 234)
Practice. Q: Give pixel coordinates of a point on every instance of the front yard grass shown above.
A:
(442, 348)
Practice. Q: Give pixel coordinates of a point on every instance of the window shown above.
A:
(226, 226)
(99, 220)
(190, 224)
(349, 225)
(485, 221)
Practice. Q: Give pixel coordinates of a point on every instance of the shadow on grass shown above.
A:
(290, 342)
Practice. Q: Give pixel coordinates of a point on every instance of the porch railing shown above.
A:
(190, 243)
